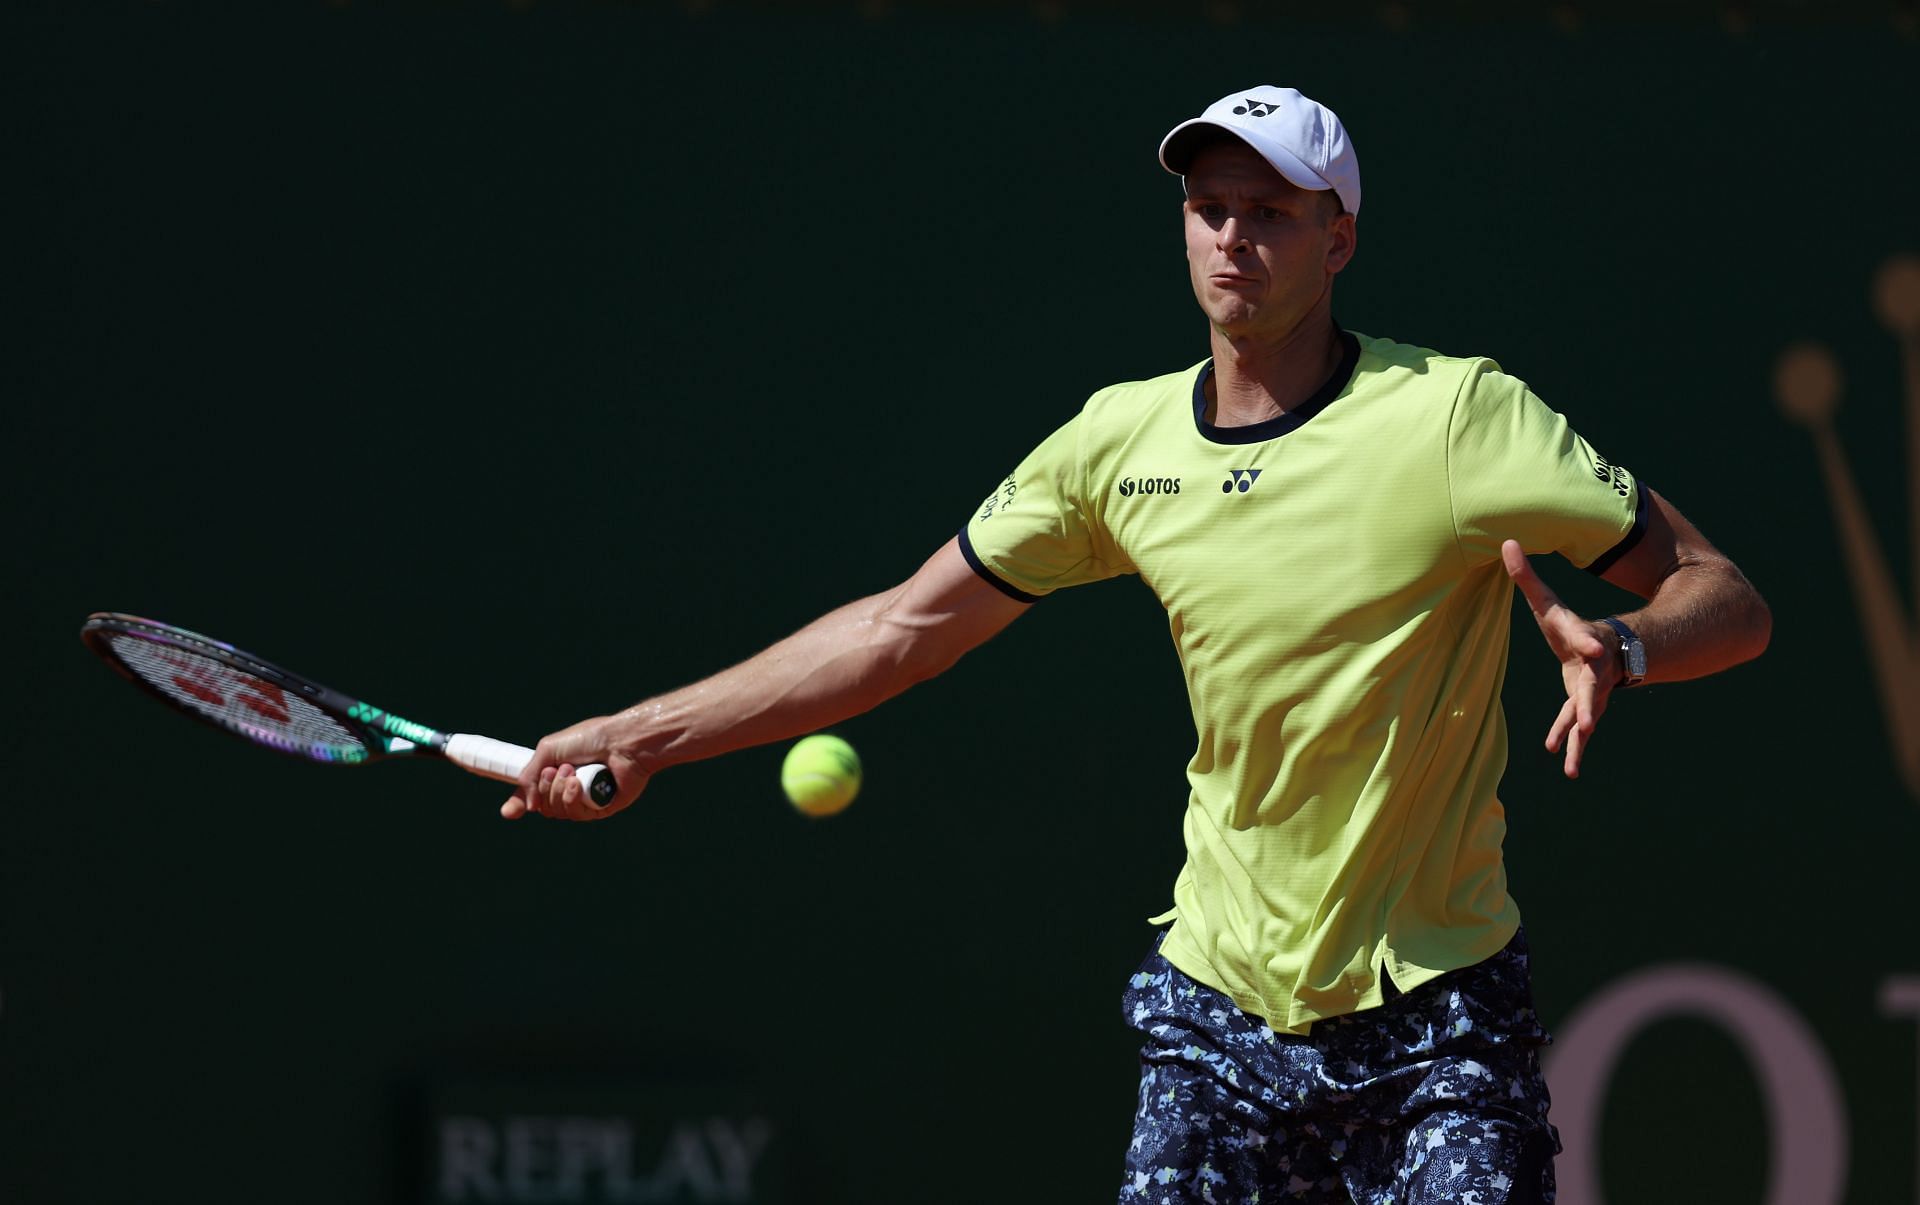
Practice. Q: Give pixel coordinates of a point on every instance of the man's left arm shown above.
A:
(1701, 616)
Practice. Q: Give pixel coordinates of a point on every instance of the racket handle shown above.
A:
(498, 759)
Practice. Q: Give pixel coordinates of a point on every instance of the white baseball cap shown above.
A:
(1301, 138)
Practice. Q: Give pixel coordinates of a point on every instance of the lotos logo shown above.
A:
(1239, 479)
(1148, 485)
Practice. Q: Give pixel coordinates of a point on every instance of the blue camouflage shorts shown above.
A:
(1435, 1096)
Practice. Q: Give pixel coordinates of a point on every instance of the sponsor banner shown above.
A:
(505, 1142)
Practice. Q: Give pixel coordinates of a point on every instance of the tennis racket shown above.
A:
(237, 692)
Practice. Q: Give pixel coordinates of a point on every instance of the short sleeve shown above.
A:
(1034, 534)
(1517, 471)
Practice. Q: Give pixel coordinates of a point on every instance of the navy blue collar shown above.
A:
(1292, 420)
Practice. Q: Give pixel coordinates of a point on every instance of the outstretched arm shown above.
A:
(844, 663)
(1702, 616)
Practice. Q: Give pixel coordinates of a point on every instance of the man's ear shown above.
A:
(1341, 243)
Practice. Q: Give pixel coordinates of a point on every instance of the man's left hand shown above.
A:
(1588, 665)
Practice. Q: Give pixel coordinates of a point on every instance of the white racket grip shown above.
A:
(499, 759)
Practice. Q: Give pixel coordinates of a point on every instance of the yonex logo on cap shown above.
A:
(1255, 108)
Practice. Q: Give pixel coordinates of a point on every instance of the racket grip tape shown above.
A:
(498, 759)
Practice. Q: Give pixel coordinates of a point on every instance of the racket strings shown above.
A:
(241, 702)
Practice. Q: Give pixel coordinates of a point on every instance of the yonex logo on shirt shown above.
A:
(1239, 479)
(1254, 108)
(1128, 487)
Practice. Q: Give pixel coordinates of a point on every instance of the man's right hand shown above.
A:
(549, 787)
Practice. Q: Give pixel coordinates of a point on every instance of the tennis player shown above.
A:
(1337, 1005)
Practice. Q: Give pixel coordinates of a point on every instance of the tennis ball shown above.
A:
(821, 774)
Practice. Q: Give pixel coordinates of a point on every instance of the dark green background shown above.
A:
(504, 364)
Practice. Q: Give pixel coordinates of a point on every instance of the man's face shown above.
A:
(1262, 252)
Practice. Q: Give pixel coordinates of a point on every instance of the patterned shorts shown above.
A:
(1435, 1096)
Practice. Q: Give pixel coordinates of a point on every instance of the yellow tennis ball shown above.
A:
(821, 774)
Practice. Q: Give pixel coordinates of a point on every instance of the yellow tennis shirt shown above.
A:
(1333, 584)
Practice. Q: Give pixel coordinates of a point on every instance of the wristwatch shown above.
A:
(1633, 654)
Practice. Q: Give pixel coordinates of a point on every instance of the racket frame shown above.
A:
(383, 733)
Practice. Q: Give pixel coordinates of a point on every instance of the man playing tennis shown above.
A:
(1338, 1007)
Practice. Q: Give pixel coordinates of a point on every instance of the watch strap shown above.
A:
(1633, 655)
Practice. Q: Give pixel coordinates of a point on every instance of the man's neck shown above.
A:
(1254, 381)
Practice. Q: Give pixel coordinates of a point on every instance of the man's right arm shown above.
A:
(844, 663)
